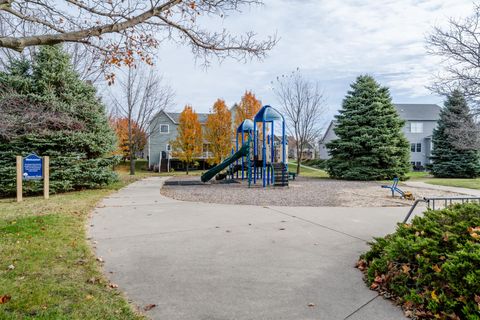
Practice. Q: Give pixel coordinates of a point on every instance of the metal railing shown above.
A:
(436, 202)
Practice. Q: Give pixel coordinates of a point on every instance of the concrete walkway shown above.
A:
(225, 262)
(419, 184)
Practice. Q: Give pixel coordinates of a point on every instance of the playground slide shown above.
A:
(228, 161)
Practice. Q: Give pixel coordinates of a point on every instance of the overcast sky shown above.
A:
(331, 42)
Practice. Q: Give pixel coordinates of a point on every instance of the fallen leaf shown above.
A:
(113, 285)
(311, 305)
(436, 268)
(405, 268)
(5, 298)
(99, 259)
(149, 307)
(374, 286)
(281, 229)
(88, 297)
(434, 296)
(11, 267)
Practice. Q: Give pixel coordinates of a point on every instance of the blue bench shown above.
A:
(394, 188)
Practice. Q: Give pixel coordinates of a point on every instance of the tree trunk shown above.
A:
(187, 167)
(299, 159)
(130, 147)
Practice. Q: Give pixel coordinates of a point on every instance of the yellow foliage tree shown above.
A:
(188, 143)
(139, 137)
(218, 132)
(247, 109)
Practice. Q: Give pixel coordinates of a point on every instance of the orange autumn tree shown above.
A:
(188, 143)
(218, 132)
(247, 109)
(139, 137)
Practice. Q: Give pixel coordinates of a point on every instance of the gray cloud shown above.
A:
(330, 41)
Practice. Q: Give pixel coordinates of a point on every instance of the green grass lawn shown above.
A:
(307, 171)
(462, 183)
(55, 274)
(450, 182)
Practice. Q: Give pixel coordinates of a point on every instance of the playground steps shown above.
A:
(280, 174)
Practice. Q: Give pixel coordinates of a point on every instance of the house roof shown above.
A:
(174, 116)
(423, 112)
(407, 111)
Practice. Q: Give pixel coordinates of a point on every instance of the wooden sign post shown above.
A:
(46, 177)
(33, 167)
(19, 179)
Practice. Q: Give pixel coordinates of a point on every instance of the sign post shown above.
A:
(19, 179)
(46, 177)
(33, 167)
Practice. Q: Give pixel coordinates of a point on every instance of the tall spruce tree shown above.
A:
(46, 109)
(370, 143)
(448, 159)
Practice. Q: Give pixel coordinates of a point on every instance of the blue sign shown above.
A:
(32, 167)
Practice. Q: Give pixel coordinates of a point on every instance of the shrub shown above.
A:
(48, 110)
(432, 266)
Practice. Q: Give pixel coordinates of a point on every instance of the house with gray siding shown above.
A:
(420, 120)
(164, 130)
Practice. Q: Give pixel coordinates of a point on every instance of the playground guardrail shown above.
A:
(446, 201)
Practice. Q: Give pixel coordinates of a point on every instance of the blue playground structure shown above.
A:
(245, 130)
(259, 153)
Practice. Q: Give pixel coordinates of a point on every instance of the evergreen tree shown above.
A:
(448, 159)
(48, 110)
(370, 143)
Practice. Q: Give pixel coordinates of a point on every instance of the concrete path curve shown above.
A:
(420, 184)
(223, 262)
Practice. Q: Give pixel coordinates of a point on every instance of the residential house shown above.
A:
(308, 153)
(164, 126)
(420, 120)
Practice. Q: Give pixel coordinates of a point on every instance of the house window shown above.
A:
(413, 164)
(412, 147)
(418, 163)
(419, 147)
(416, 127)
(164, 128)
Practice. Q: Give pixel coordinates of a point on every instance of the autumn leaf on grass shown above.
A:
(405, 268)
(436, 268)
(5, 298)
(434, 296)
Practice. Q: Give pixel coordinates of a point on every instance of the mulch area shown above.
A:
(309, 192)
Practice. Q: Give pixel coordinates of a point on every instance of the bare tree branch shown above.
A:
(303, 104)
(138, 96)
(459, 47)
(125, 31)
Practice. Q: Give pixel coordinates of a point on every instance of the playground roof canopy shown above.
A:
(245, 126)
(268, 113)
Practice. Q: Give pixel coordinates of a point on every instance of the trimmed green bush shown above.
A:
(432, 266)
(48, 110)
